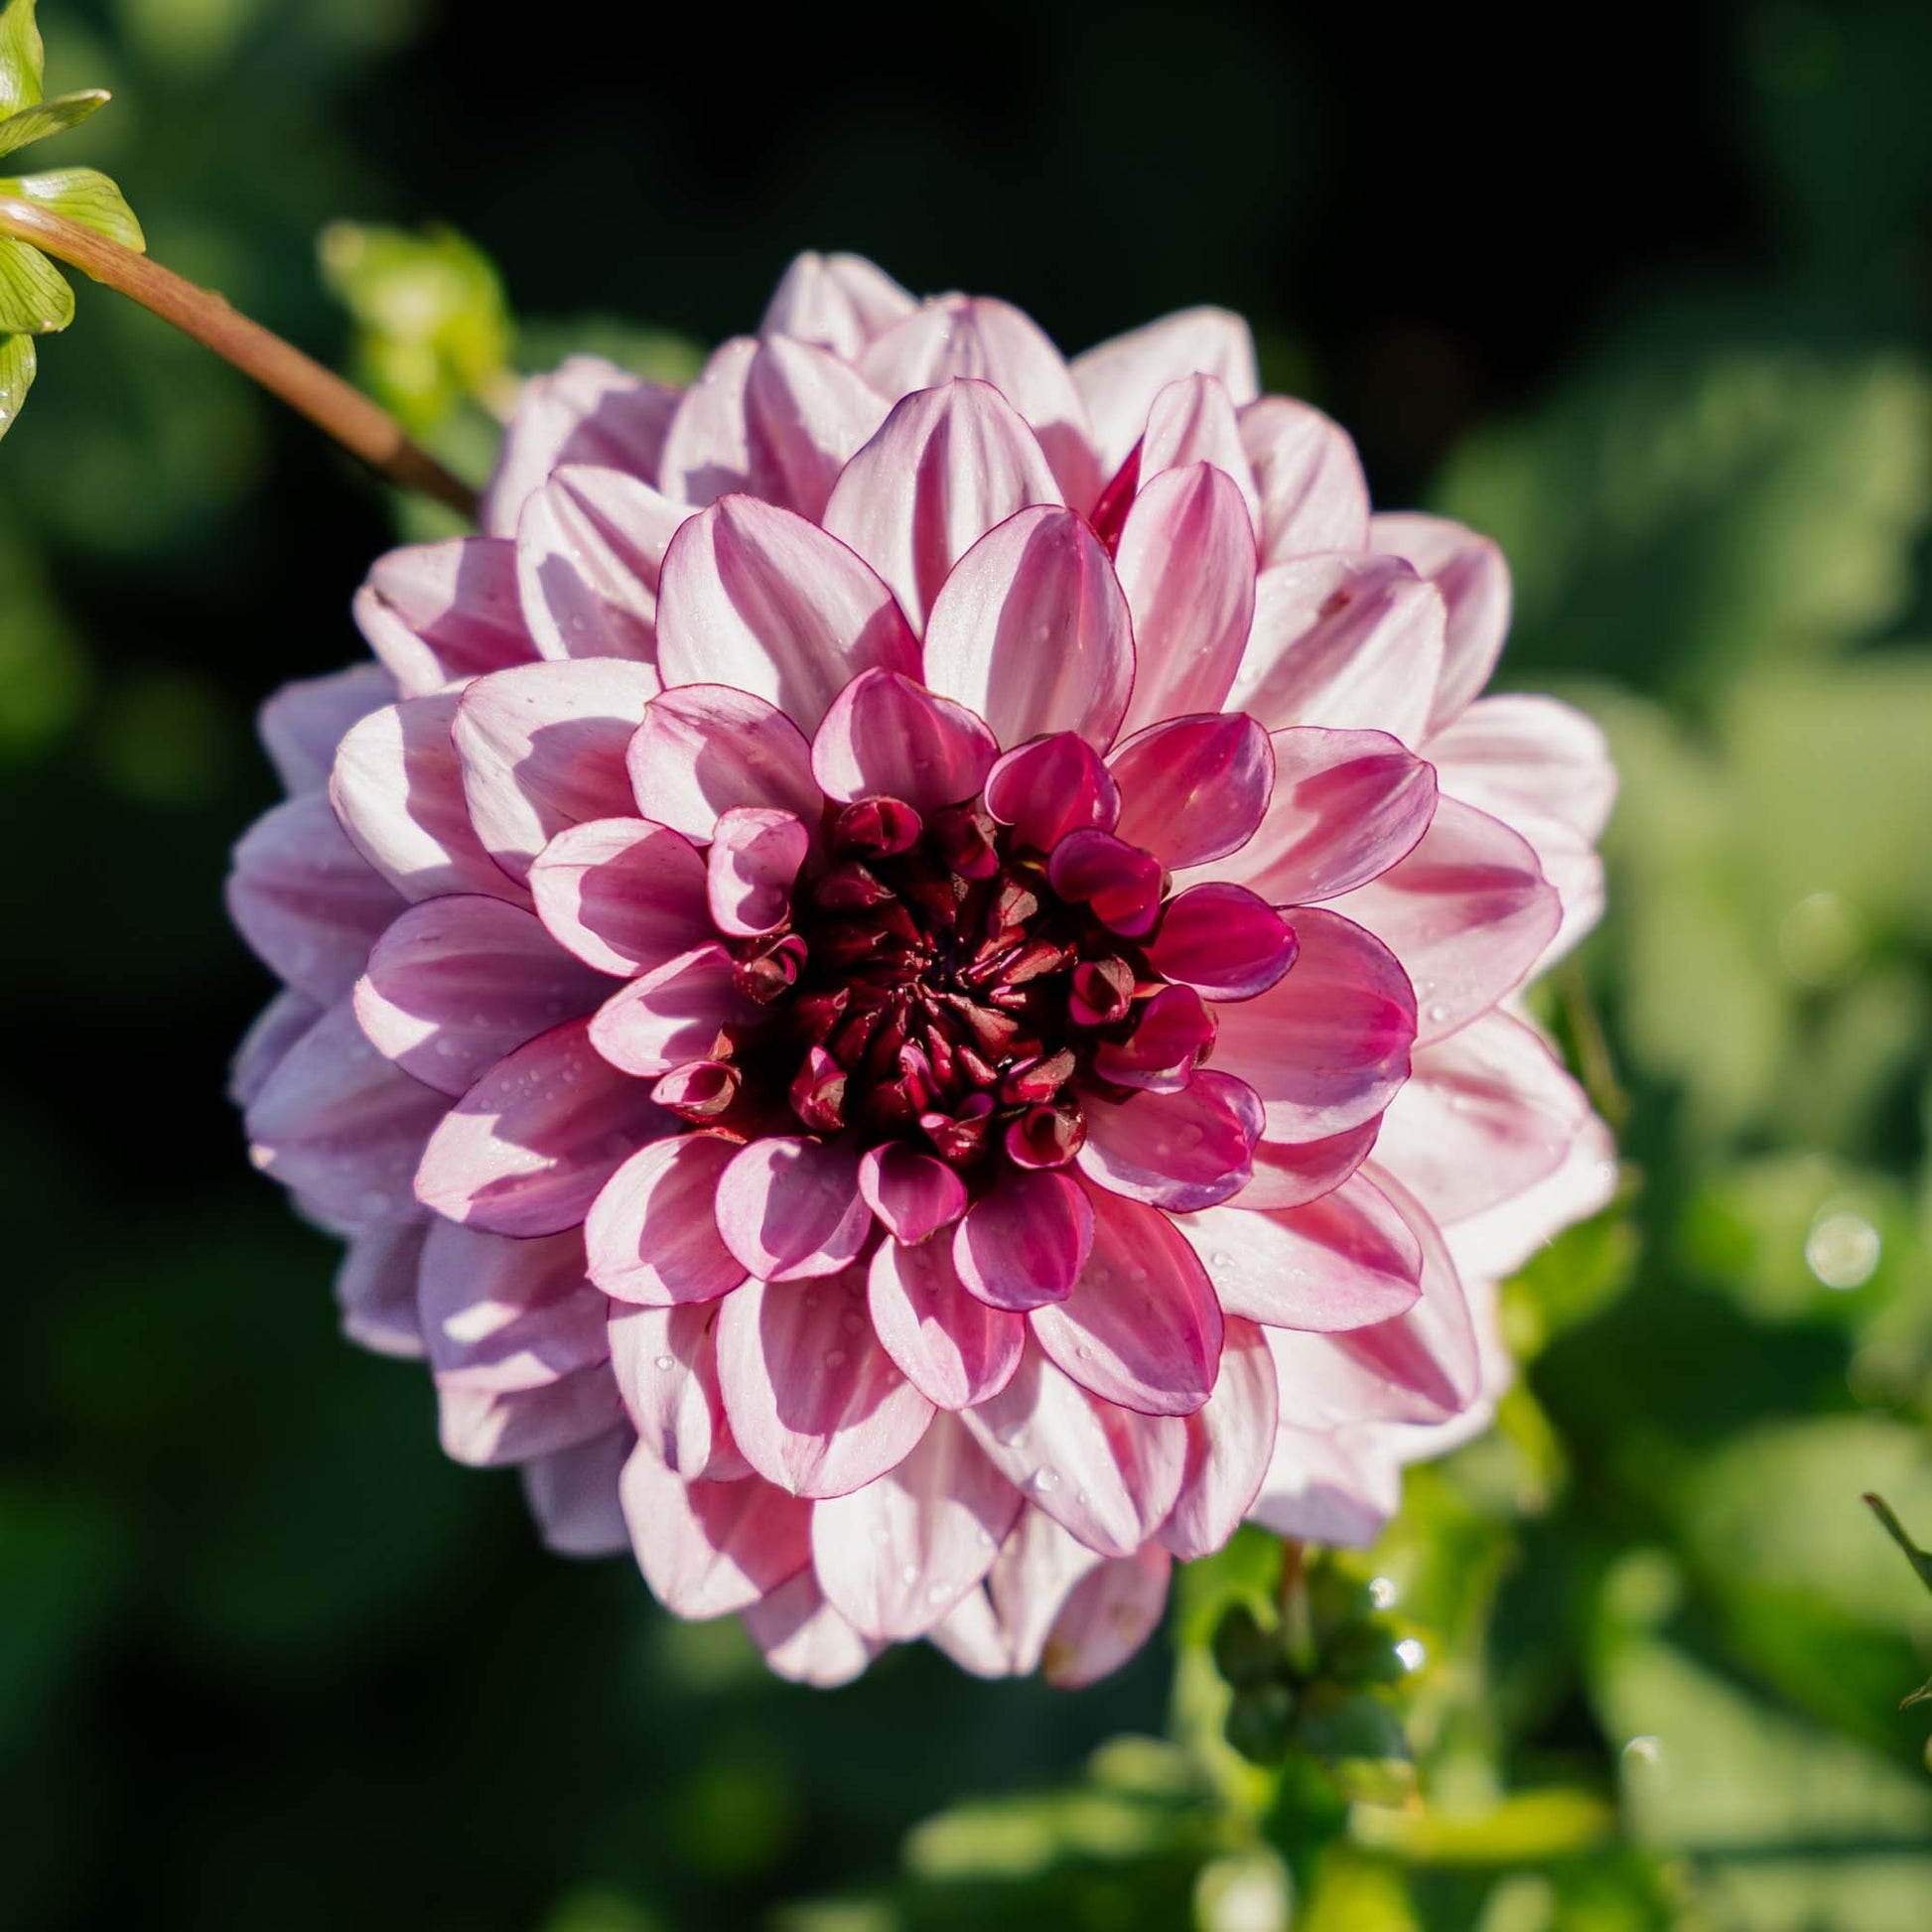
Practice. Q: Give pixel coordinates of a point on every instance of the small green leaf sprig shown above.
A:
(35, 299)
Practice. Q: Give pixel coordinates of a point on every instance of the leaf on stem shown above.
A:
(48, 118)
(18, 361)
(35, 300)
(21, 58)
(85, 195)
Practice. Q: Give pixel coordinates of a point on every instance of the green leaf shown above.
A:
(18, 361)
(21, 58)
(85, 195)
(33, 298)
(49, 118)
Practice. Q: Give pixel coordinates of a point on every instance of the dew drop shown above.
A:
(664, 1365)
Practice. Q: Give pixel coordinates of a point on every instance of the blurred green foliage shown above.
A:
(267, 1661)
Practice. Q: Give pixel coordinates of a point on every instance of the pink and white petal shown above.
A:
(301, 725)
(895, 1557)
(528, 1148)
(950, 464)
(455, 983)
(1119, 379)
(789, 1207)
(814, 1401)
(1024, 1243)
(710, 1548)
(397, 788)
(839, 302)
(1345, 1261)
(1036, 1572)
(705, 747)
(1229, 1443)
(911, 1195)
(1523, 757)
(954, 1348)
(1186, 565)
(1326, 1046)
(1110, 1613)
(585, 410)
(1173, 1034)
(502, 1316)
(1191, 421)
(751, 868)
(375, 1290)
(665, 1361)
(887, 737)
(1468, 914)
(756, 596)
(1104, 1473)
(573, 1494)
(1473, 578)
(308, 903)
(1346, 806)
(1142, 1327)
(652, 1234)
(1575, 869)
(1120, 884)
(436, 613)
(708, 447)
(978, 337)
(1485, 1115)
(1194, 789)
(342, 1125)
(1313, 495)
(491, 1428)
(621, 893)
(1351, 643)
(589, 549)
(1328, 1486)
(1179, 1151)
(970, 1632)
(671, 1015)
(1050, 786)
(1031, 632)
(809, 414)
(1293, 1174)
(804, 1639)
(1222, 940)
(1493, 1245)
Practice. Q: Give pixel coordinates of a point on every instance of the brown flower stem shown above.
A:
(1291, 1601)
(360, 426)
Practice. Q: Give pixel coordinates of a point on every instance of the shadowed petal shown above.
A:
(705, 747)
(375, 1290)
(887, 737)
(1229, 1443)
(913, 1194)
(671, 1015)
(301, 725)
(810, 413)
(1178, 1150)
(1222, 940)
(573, 1496)
(789, 1206)
(954, 1348)
(751, 868)
(1313, 495)
(1050, 786)
(1108, 1615)
(436, 613)
(505, 1314)
(1121, 883)
(1193, 788)
(652, 1234)
(625, 896)
(488, 1428)
(839, 302)
(1293, 1174)
(1474, 579)
(1119, 379)
(1026, 1242)
(804, 1639)
(665, 1361)
(709, 1548)
(707, 447)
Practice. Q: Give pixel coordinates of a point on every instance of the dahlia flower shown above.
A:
(900, 974)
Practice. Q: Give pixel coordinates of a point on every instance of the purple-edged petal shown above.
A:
(1222, 940)
(1313, 495)
(1119, 379)
(375, 1290)
(528, 1146)
(1024, 1243)
(949, 465)
(455, 983)
(1193, 788)
(625, 896)
(1142, 1328)
(652, 1234)
(589, 546)
(839, 302)
(438, 613)
(1346, 805)
(270, 1039)
(1107, 1475)
(789, 1206)
(705, 748)
(1172, 1036)
(815, 1402)
(1342, 1262)
(1474, 579)
(342, 1125)
(1293, 1174)
(672, 1015)
(756, 596)
(1121, 883)
(573, 1496)
(810, 413)
(1178, 1150)
(1468, 911)
(708, 448)
(1031, 632)
(913, 1194)
(308, 904)
(954, 1348)
(397, 788)
(1525, 759)
(1108, 1615)
(300, 724)
(665, 1361)
(1328, 1044)
(887, 737)
(710, 1548)
(1050, 786)
(490, 1429)
(1186, 566)
(1230, 1440)
(896, 1556)
(751, 868)
(503, 1314)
